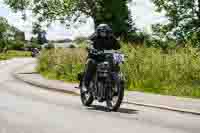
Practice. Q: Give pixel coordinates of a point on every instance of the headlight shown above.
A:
(118, 58)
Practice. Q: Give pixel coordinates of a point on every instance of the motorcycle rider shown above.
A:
(34, 51)
(102, 39)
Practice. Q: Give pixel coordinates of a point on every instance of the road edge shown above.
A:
(165, 108)
(16, 75)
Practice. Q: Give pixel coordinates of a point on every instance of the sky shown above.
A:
(143, 12)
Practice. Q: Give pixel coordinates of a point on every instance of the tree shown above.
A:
(33, 40)
(41, 34)
(183, 16)
(42, 37)
(19, 35)
(113, 12)
(3, 33)
(10, 36)
(3, 27)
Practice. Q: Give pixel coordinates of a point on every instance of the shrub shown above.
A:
(33, 45)
(49, 46)
(79, 40)
(16, 45)
(137, 37)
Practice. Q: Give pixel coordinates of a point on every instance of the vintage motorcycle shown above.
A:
(35, 52)
(108, 83)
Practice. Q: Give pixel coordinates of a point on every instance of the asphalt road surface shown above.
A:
(28, 109)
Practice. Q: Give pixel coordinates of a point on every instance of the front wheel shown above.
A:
(86, 96)
(117, 96)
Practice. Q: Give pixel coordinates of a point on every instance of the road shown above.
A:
(28, 109)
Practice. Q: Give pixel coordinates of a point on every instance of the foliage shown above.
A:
(3, 33)
(194, 40)
(10, 37)
(137, 37)
(177, 71)
(49, 46)
(7, 31)
(16, 45)
(183, 16)
(62, 64)
(3, 27)
(13, 54)
(79, 40)
(33, 45)
(33, 40)
(11, 45)
(19, 35)
(113, 12)
(41, 34)
(41, 38)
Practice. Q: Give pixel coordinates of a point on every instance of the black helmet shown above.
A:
(103, 30)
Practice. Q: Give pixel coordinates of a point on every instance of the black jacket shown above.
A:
(107, 43)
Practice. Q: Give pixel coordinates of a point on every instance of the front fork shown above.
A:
(105, 89)
(116, 79)
(108, 89)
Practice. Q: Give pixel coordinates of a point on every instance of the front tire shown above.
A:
(119, 95)
(86, 96)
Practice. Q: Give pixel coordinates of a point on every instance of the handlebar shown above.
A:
(101, 52)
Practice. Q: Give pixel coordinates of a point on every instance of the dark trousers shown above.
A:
(89, 71)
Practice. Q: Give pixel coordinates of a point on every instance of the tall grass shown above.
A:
(62, 64)
(175, 72)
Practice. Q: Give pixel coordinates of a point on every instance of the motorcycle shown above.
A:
(35, 52)
(107, 84)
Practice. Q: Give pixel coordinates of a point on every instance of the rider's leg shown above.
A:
(90, 71)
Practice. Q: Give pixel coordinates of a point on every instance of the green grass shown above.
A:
(13, 53)
(173, 72)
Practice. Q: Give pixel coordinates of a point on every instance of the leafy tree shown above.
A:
(195, 39)
(113, 12)
(41, 34)
(33, 40)
(16, 45)
(3, 33)
(42, 37)
(3, 27)
(183, 16)
(37, 28)
(139, 37)
(10, 36)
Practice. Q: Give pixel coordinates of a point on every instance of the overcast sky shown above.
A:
(142, 10)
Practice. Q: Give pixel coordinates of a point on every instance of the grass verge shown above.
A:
(13, 53)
